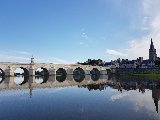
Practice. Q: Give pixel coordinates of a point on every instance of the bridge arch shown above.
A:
(21, 71)
(21, 75)
(61, 71)
(95, 71)
(46, 72)
(2, 73)
(61, 75)
(78, 71)
(41, 71)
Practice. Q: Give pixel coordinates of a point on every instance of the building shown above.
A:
(147, 64)
(112, 64)
(152, 52)
(140, 63)
(125, 63)
(150, 63)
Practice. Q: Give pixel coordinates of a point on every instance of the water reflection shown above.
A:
(41, 79)
(1, 79)
(95, 77)
(91, 89)
(156, 96)
(20, 80)
(79, 77)
(61, 78)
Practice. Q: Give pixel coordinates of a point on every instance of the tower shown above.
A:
(152, 52)
(31, 69)
(32, 60)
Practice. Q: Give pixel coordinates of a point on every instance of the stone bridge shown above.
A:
(8, 68)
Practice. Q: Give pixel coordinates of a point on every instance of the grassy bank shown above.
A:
(143, 75)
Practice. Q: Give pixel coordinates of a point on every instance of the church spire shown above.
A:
(152, 52)
(151, 45)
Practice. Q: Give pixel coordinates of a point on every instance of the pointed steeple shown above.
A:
(151, 45)
(152, 52)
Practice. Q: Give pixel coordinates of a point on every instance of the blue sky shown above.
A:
(67, 31)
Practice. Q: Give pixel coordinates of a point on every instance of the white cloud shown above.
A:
(57, 61)
(138, 47)
(118, 96)
(145, 23)
(83, 44)
(84, 39)
(84, 35)
(115, 53)
(23, 53)
(144, 103)
(9, 57)
(23, 57)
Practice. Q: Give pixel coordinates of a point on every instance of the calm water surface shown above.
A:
(79, 98)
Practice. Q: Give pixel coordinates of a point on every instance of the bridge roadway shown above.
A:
(8, 68)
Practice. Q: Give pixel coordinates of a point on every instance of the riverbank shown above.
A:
(151, 73)
(142, 75)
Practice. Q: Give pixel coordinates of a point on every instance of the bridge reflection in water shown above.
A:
(90, 82)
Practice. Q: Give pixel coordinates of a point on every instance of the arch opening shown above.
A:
(61, 75)
(78, 71)
(95, 71)
(21, 72)
(61, 71)
(42, 75)
(21, 76)
(2, 73)
(42, 72)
